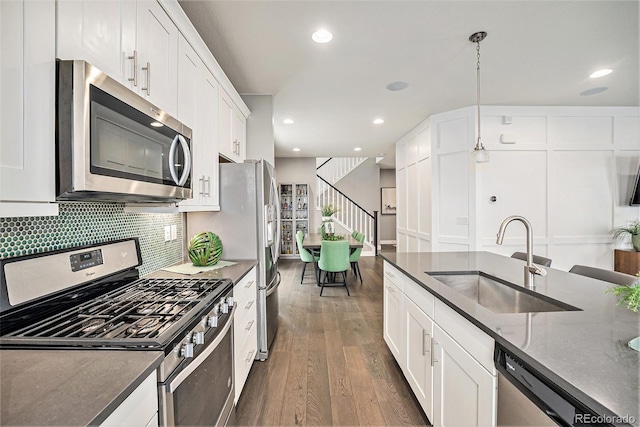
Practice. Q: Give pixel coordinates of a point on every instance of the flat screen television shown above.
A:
(635, 194)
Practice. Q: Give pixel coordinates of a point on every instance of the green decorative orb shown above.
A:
(205, 249)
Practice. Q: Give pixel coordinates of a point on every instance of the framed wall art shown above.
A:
(388, 200)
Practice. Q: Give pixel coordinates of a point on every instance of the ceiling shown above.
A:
(536, 53)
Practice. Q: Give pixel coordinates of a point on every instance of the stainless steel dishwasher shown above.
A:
(528, 398)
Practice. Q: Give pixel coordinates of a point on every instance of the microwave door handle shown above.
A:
(179, 139)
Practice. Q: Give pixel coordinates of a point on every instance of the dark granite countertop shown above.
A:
(584, 352)
(69, 387)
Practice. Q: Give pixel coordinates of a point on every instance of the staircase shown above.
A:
(350, 215)
(333, 169)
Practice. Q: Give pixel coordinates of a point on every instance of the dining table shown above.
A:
(313, 241)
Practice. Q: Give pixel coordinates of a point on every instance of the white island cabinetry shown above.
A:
(446, 360)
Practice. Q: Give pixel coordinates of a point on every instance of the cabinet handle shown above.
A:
(434, 344)
(249, 325)
(201, 180)
(208, 181)
(248, 285)
(390, 275)
(148, 70)
(249, 357)
(425, 338)
(390, 288)
(134, 79)
(248, 306)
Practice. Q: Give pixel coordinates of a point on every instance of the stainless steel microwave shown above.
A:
(113, 145)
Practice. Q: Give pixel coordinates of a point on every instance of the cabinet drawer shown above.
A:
(139, 407)
(476, 342)
(244, 355)
(245, 322)
(393, 274)
(246, 287)
(420, 296)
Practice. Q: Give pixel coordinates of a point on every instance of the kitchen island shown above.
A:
(584, 351)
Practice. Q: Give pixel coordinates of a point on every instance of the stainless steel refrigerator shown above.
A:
(249, 225)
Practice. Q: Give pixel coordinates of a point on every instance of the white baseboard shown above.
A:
(388, 242)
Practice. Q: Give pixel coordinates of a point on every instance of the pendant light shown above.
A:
(480, 154)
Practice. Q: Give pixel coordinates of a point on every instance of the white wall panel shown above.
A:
(453, 186)
(413, 197)
(518, 179)
(424, 245)
(412, 151)
(424, 143)
(424, 176)
(401, 195)
(452, 247)
(626, 132)
(525, 130)
(581, 193)
(412, 243)
(401, 155)
(401, 244)
(582, 131)
(595, 255)
(453, 134)
(508, 249)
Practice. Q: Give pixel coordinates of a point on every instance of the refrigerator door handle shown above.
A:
(276, 248)
(272, 289)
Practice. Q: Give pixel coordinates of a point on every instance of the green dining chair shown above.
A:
(334, 258)
(306, 256)
(355, 256)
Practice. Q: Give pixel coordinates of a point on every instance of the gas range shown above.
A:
(93, 298)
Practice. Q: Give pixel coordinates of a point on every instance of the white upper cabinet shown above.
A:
(198, 109)
(157, 49)
(101, 32)
(27, 104)
(134, 42)
(232, 130)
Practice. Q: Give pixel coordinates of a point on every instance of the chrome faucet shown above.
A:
(530, 269)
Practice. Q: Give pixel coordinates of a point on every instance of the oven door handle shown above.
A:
(175, 383)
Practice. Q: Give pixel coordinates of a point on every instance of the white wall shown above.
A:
(569, 170)
(260, 142)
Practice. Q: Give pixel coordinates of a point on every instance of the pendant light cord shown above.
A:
(478, 143)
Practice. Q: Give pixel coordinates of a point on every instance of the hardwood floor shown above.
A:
(329, 364)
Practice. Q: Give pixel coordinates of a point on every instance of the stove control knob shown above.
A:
(230, 301)
(223, 305)
(187, 350)
(204, 321)
(198, 338)
(213, 317)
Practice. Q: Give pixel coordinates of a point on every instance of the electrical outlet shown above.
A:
(167, 233)
(174, 232)
(462, 220)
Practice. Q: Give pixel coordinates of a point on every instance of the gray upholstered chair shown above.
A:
(606, 275)
(537, 259)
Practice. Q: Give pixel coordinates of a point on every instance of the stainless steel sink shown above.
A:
(498, 295)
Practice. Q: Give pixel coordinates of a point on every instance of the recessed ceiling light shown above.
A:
(156, 124)
(396, 86)
(357, 149)
(378, 121)
(287, 121)
(593, 91)
(601, 73)
(296, 149)
(322, 36)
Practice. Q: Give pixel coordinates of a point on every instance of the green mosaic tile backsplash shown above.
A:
(87, 223)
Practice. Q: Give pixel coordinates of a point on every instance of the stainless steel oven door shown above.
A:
(202, 392)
